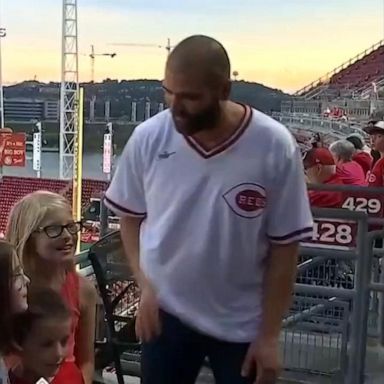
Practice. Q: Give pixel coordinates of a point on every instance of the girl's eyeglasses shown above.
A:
(56, 230)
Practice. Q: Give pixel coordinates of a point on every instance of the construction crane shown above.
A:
(167, 47)
(93, 56)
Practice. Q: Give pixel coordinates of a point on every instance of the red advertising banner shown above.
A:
(12, 149)
(90, 237)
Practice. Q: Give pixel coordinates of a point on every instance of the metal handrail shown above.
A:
(317, 124)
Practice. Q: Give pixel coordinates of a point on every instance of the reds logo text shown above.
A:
(246, 200)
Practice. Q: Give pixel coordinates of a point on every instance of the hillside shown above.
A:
(122, 93)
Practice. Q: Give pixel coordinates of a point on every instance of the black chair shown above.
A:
(119, 295)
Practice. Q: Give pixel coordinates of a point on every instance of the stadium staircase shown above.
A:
(366, 92)
(356, 75)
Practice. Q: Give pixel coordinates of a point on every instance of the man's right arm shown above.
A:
(130, 235)
(147, 318)
(126, 197)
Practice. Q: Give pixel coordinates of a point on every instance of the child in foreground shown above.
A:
(42, 229)
(41, 337)
(13, 299)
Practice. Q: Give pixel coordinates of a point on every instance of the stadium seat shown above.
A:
(120, 298)
(361, 73)
(13, 188)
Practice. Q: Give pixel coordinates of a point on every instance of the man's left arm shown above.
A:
(289, 220)
(279, 280)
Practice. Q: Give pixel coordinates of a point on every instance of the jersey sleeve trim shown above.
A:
(300, 234)
(120, 210)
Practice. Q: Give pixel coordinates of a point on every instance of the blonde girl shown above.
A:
(45, 235)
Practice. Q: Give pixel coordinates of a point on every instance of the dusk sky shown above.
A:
(280, 43)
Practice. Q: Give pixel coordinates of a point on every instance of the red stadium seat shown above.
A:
(14, 188)
(361, 73)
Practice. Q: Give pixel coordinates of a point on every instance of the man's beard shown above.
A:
(190, 124)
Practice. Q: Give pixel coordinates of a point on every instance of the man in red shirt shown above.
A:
(320, 168)
(348, 170)
(376, 176)
(361, 157)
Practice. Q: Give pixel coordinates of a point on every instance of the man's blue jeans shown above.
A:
(177, 355)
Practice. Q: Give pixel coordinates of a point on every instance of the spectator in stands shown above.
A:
(40, 338)
(317, 141)
(350, 172)
(370, 127)
(42, 229)
(13, 298)
(375, 157)
(361, 157)
(320, 168)
(376, 175)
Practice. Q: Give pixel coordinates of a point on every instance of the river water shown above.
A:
(92, 167)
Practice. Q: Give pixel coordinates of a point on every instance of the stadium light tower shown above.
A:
(69, 92)
(3, 33)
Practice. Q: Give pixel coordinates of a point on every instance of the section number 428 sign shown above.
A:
(334, 234)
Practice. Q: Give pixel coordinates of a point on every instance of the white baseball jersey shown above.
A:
(210, 216)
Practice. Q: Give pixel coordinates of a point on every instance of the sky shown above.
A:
(284, 44)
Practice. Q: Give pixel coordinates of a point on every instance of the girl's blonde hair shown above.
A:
(26, 216)
(7, 264)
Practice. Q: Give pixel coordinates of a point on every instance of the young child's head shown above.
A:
(41, 334)
(43, 231)
(13, 291)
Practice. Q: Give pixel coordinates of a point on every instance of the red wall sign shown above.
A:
(12, 149)
(334, 234)
(367, 203)
(341, 234)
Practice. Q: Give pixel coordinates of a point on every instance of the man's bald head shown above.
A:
(197, 84)
(204, 54)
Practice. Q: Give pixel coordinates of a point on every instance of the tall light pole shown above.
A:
(3, 33)
(69, 93)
